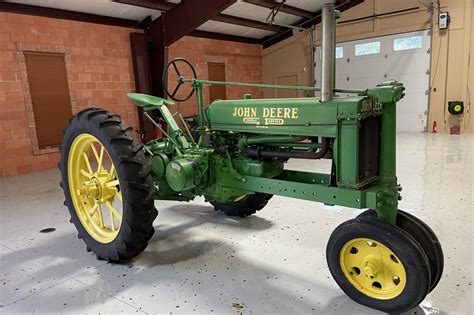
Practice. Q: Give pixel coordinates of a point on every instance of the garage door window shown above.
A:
(406, 43)
(339, 52)
(367, 49)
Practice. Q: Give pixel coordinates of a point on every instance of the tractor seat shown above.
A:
(148, 102)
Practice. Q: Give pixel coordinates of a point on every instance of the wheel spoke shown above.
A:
(98, 156)
(88, 164)
(101, 158)
(112, 171)
(101, 218)
(112, 184)
(176, 90)
(114, 211)
(94, 209)
(85, 173)
(94, 150)
(113, 214)
(112, 221)
(176, 68)
(119, 196)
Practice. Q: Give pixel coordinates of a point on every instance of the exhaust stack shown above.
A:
(328, 50)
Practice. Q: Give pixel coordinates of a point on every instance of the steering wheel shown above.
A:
(179, 77)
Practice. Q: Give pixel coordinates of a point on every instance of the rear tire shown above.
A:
(88, 191)
(243, 206)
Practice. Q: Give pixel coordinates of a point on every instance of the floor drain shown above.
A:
(48, 230)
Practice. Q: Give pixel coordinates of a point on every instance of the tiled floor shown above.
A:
(200, 261)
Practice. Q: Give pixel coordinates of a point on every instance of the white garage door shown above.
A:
(404, 57)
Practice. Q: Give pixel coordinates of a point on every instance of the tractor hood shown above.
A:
(293, 116)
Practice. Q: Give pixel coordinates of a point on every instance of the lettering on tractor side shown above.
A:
(270, 115)
(266, 112)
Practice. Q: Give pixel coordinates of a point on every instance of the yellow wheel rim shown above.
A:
(372, 268)
(240, 198)
(95, 188)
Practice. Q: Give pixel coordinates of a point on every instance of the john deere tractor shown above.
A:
(385, 258)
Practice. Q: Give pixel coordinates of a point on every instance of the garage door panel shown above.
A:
(412, 82)
(408, 66)
(407, 63)
(365, 66)
(363, 82)
(342, 84)
(412, 103)
(342, 69)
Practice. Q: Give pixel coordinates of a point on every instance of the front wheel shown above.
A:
(425, 237)
(378, 265)
(107, 185)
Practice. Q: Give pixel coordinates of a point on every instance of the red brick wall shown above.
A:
(243, 63)
(100, 71)
(99, 68)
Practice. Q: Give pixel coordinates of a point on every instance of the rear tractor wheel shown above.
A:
(244, 205)
(107, 185)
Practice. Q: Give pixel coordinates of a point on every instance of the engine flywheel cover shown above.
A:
(180, 174)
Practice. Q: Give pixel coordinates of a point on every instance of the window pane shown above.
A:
(367, 48)
(405, 43)
(339, 52)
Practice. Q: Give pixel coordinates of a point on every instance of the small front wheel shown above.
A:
(107, 185)
(378, 265)
(425, 237)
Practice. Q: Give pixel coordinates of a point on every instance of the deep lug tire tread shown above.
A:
(401, 243)
(132, 167)
(248, 206)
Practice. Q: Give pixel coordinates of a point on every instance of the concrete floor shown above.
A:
(200, 261)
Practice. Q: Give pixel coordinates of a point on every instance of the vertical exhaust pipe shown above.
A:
(328, 50)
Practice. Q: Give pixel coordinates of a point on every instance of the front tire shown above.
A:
(378, 265)
(107, 185)
(425, 237)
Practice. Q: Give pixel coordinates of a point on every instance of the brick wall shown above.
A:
(243, 63)
(100, 71)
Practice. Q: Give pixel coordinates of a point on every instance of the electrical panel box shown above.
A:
(443, 20)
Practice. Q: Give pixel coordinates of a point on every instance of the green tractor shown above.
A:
(385, 258)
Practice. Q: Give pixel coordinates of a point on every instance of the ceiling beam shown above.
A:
(230, 19)
(185, 17)
(65, 14)
(224, 18)
(166, 6)
(176, 23)
(159, 5)
(145, 22)
(226, 37)
(283, 8)
(316, 19)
